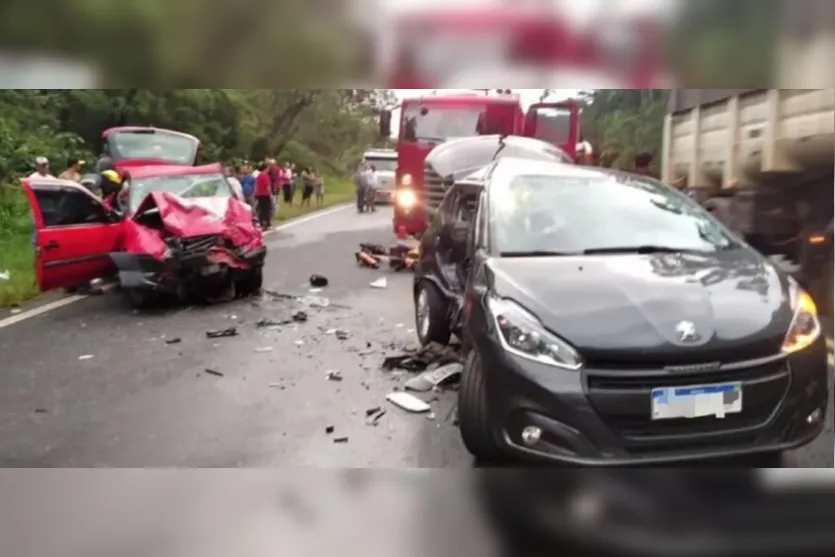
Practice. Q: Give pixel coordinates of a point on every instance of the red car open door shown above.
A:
(557, 123)
(74, 233)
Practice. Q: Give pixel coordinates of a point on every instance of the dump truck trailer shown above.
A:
(762, 161)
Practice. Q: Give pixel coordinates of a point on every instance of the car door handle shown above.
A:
(52, 245)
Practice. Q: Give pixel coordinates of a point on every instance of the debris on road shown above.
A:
(300, 317)
(330, 429)
(374, 419)
(264, 350)
(434, 379)
(380, 284)
(225, 333)
(341, 334)
(318, 281)
(214, 372)
(432, 355)
(371, 411)
(340, 440)
(173, 341)
(408, 402)
(85, 357)
(334, 375)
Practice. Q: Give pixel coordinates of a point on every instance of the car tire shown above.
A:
(138, 299)
(474, 414)
(431, 305)
(251, 283)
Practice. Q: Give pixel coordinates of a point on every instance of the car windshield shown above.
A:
(543, 215)
(437, 123)
(191, 185)
(156, 145)
(382, 164)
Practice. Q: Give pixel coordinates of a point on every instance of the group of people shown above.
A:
(366, 181)
(264, 185)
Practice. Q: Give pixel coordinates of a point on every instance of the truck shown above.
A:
(431, 120)
(761, 160)
(428, 47)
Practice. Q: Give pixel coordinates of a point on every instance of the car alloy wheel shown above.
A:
(423, 313)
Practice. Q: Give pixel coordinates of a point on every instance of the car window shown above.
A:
(578, 213)
(70, 207)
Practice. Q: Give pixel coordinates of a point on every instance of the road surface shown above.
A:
(93, 384)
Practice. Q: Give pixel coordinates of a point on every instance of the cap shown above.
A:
(40, 161)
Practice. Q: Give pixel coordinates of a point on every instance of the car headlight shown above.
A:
(406, 180)
(522, 334)
(805, 328)
(406, 199)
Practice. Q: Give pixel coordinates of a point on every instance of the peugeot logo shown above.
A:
(687, 332)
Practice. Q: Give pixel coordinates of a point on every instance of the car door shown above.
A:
(557, 123)
(435, 244)
(74, 233)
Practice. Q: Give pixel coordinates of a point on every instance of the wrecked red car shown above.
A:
(181, 232)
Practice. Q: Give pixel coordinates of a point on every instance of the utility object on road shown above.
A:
(612, 321)
(182, 234)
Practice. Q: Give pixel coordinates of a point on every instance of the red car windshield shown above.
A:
(436, 123)
(153, 145)
(193, 185)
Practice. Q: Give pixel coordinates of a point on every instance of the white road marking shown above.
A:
(63, 302)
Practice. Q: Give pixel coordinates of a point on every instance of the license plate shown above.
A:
(210, 270)
(670, 403)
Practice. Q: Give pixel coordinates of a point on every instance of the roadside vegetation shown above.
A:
(325, 129)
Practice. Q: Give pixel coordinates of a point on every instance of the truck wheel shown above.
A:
(473, 413)
(431, 315)
(251, 283)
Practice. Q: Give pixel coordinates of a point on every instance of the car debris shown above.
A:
(214, 372)
(341, 334)
(434, 379)
(334, 375)
(408, 402)
(264, 350)
(374, 419)
(380, 284)
(432, 354)
(173, 341)
(340, 440)
(371, 411)
(330, 429)
(300, 317)
(224, 333)
(318, 281)
(85, 357)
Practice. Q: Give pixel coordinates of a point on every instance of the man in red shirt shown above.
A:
(264, 197)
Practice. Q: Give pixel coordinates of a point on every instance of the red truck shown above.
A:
(429, 121)
(132, 147)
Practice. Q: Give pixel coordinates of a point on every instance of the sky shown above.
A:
(528, 97)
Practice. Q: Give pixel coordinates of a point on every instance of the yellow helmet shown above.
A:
(112, 176)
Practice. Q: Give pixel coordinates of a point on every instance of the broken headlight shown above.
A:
(523, 335)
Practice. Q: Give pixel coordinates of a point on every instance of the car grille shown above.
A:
(198, 245)
(623, 400)
(434, 188)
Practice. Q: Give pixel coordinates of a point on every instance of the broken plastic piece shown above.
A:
(334, 376)
(380, 284)
(172, 341)
(408, 402)
(225, 333)
(330, 429)
(341, 440)
(318, 281)
(85, 357)
(432, 379)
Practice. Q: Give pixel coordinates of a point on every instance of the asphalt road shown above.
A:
(93, 384)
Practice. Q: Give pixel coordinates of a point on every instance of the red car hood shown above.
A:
(186, 218)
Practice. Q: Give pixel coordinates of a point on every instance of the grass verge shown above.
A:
(337, 191)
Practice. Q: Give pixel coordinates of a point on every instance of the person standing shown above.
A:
(73, 171)
(41, 169)
(359, 178)
(274, 170)
(287, 184)
(264, 197)
(319, 189)
(307, 177)
(247, 181)
(373, 182)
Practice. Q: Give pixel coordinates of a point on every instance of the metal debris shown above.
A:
(408, 402)
(371, 411)
(430, 355)
(334, 375)
(375, 418)
(225, 333)
(172, 341)
(340, 440)
(330, 429)
(214, 372)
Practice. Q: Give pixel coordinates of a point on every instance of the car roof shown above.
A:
(134, 129)
(158, 171)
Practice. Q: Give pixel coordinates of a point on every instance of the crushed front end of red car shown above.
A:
(206, 248)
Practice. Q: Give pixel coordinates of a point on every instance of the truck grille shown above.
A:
(622, 399)
(434, 188)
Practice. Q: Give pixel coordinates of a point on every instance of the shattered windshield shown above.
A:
(192, 185)
(159, 145)
(578, 214)
(438, 123)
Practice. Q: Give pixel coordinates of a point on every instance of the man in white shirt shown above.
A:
(41, 169)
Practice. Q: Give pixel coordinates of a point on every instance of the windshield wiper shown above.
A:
(639, 250)
(539, 253)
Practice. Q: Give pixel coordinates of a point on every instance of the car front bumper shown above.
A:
(602, 417)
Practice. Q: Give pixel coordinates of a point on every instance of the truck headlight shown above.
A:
(406, 199)
(805, 328)
(406, 180)
(522, 334)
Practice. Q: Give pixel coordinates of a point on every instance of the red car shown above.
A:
(181, 232)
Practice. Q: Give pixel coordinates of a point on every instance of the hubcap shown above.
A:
(423, 313)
